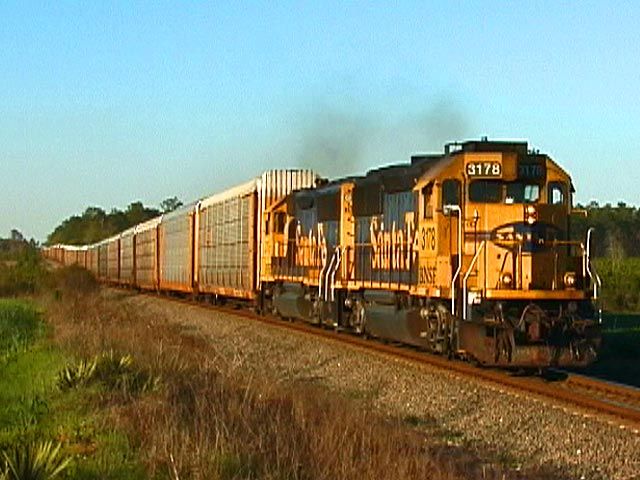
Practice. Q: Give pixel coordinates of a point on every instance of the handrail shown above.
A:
(466, 277)
(338, 256)
(320, 278)
(455, 208)
(593, 275)
(329, 272)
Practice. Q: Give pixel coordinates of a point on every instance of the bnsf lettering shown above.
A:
(427, 274)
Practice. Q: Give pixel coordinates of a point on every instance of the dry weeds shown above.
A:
(209, 420)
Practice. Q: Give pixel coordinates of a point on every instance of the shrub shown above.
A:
(620, 283)
(73, 376)
(120, 374)
(75, 279)
(114, 372)
(23, 275)
(35, 461)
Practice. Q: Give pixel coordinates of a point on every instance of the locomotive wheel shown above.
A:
(359, 318)
(440, 327)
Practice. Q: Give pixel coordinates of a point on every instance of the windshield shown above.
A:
(485, 191)
(496, 191)
(522, 193)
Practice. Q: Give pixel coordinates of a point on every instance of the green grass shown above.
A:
(32, 408)
(19, 325)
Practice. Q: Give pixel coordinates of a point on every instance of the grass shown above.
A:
(183, 412)
(211, 420)
(32, 408)
(19, 325)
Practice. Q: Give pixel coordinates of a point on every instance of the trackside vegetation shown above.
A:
(48, 432)
(90, 389)
(191, 414)
(620, 283)
(22, 272)
(616, 248)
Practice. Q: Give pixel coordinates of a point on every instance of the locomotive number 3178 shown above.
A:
(484, 169)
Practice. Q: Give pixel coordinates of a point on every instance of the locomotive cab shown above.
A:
(523, 287)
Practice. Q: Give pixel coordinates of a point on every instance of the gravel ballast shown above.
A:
(523, 431)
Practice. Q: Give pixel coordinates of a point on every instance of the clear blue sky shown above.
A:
(104, 103)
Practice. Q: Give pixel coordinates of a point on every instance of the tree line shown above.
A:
(617, 229)
(96, 224)
(616, 251)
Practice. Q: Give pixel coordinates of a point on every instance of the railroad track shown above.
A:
(620, 403)
(610, 392)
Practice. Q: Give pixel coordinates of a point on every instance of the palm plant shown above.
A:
(35, 461)
(72, 376)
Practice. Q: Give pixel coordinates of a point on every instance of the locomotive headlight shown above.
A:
(530, 215)
(570, 279)
(506, 279)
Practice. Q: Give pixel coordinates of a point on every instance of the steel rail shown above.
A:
(607, 390)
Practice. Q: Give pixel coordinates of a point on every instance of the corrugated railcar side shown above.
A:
(146, 254)
(229, 230)
(69, 255)
(127, 257)
(227, 243)
(103, 260)
(82, 257)
(113, 259)
(176, 237)
(92, 259)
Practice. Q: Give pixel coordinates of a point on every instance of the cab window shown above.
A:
(485, 191)
(556, 195)
(427, 192)
(451, 192)
(519, 192)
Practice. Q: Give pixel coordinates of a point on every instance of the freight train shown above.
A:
(467, 253)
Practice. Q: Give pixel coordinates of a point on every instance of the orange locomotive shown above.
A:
(465, 253)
